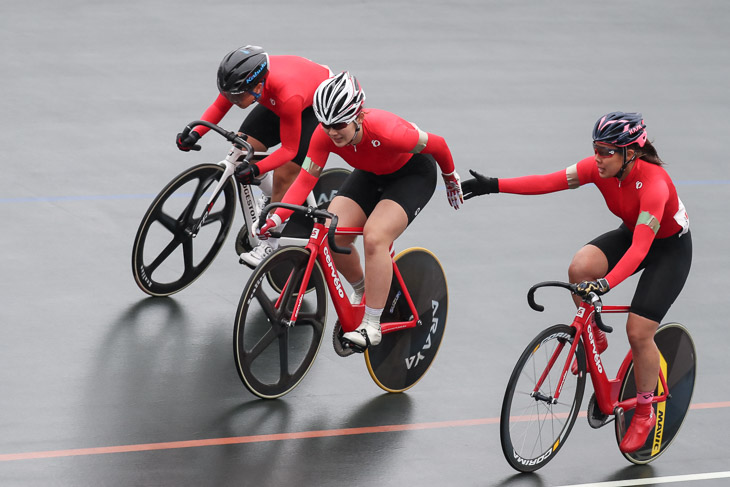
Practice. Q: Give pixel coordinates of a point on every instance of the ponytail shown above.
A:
(647, 153)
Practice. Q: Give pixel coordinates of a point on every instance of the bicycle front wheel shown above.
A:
(678, 360)
(273, 355)
(533, 425)
(404, 356)
(166, 258)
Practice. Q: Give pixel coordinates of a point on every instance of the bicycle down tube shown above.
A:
(350, 315)
(607, 390)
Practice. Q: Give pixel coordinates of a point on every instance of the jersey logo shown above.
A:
(376, 143)
(272, 101)
(639, 184)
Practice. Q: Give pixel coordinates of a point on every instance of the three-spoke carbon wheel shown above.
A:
(678, 361)
(272, 354)
(533, 425)
(166, 258)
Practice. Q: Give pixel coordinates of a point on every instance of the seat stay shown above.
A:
(415, 319)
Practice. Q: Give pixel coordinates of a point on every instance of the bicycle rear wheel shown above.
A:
(404, 356)
(272, 355)
(679, 363)
(165, 256)
(532, 428)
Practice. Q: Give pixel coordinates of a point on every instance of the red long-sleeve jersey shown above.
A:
(387, 143)
(288, 90)
(646, 201)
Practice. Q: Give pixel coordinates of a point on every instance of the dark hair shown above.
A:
(647, 153)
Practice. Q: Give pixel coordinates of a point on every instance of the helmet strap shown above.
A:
(357, 129)
(620, 173)
(255, 95)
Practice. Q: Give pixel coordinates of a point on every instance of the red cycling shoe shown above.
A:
(601, 345)
(635, 437)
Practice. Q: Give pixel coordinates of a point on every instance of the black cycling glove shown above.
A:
(479, 185)
(599, 286)
(188, 142)
(247, 174)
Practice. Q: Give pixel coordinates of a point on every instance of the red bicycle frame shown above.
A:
(350, 315)
(607, 390)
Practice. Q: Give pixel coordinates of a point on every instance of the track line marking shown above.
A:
(657, 480)
(236, 440)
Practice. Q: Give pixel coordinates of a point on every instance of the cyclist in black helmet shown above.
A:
(282, 88)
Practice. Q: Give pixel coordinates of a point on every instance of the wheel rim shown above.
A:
(166, 257)
(532, 431)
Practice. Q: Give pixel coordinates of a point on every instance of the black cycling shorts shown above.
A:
(411, 186)
(665, 267)
(263, 125)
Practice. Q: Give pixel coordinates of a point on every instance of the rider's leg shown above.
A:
(386, 223)
(349, 214)
(284, 176)
(645, 353)
(589, 264)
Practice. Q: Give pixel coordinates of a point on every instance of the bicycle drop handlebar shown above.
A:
(592, 298)
(231, 137)
(318, 215)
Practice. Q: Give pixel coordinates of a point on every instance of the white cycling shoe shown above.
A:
(365, 335)
(259, 253)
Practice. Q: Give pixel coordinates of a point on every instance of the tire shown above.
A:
(403, 357)
(272, 357)
(679, 362)
(165, 257)
(532, 431)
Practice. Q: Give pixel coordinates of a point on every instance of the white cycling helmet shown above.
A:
(338, 99)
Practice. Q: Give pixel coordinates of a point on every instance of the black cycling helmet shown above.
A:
(241, 70)
(620, 129)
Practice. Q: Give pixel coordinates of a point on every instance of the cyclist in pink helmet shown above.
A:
(653, 237)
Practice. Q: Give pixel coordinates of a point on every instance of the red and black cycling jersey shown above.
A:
(288, 89)
(387, 143)
(646, 201)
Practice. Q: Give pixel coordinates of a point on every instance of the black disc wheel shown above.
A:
(272, 354)
(678, 361)
(404, 356)
(166, 258)
(533, 424)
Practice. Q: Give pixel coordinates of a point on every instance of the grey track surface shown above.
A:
(92, 95)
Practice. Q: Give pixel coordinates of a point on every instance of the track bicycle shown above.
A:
(187, 223)
(543, 396)
(279, 329)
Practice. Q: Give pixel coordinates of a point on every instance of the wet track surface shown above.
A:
(101, 385)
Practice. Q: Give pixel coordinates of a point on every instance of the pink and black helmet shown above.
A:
(620, 129)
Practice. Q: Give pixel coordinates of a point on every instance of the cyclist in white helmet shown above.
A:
(394, 177)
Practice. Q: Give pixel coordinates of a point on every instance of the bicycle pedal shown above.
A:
(243, 262)
(342, 347)
(352, 346)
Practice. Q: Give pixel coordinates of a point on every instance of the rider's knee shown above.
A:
(588, 264)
